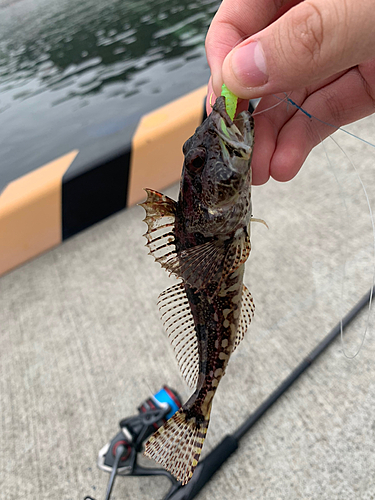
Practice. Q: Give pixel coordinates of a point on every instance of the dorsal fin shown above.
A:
(157, 206)
(179, 324)
(247, 313)
(160, 220)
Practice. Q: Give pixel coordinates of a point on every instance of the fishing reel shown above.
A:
(119, 456)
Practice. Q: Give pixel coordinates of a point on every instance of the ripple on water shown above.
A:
(64, 62)
(64, 38)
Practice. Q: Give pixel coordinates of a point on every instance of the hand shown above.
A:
(323, 51)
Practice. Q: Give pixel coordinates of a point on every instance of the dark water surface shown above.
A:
(78, 74)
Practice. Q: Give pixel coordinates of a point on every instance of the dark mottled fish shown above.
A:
(204, 239)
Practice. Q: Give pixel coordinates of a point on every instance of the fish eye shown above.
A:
(195, 159)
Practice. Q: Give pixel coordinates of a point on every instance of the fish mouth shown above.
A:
(234, 136)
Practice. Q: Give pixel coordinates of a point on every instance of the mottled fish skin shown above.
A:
(210, 235)
(216, 320)
(216, 200)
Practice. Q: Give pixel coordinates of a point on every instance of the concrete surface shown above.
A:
(81, 346)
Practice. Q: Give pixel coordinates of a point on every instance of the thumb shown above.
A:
(310, 42)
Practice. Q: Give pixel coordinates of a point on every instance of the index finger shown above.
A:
(235, 21)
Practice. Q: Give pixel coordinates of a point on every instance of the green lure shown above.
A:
(230, 101)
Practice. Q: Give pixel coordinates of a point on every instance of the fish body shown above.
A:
(204, 239)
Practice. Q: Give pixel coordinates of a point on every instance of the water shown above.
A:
(75, 73)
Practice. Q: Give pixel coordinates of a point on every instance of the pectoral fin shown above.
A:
(213, 260)
(200, 265)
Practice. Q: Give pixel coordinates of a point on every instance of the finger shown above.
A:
(343, 101)
(270, 116)
(279, 108)
(310, 42)
(211, 97)
(242, 105)
(234, 21)
(265, 139)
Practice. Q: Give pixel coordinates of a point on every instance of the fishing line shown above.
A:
(274, 106)
(345, 250)
(322, 121)
(373, 272)
(343, 199)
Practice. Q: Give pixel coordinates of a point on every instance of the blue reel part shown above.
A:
(168, 396)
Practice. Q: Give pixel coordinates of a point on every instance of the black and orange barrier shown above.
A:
(48, 205)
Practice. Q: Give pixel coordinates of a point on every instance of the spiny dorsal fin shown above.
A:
(247, 312)
(179, 324)
(177, 445)
(158, 205)
(160, 220)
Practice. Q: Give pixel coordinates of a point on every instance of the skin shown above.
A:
(320, 52)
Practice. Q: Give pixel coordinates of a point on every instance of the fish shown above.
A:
(203, 239)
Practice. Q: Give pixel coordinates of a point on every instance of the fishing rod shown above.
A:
(164, 403)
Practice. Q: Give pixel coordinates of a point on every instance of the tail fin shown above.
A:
(177, 445)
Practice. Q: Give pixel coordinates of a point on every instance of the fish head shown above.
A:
(215, 193)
